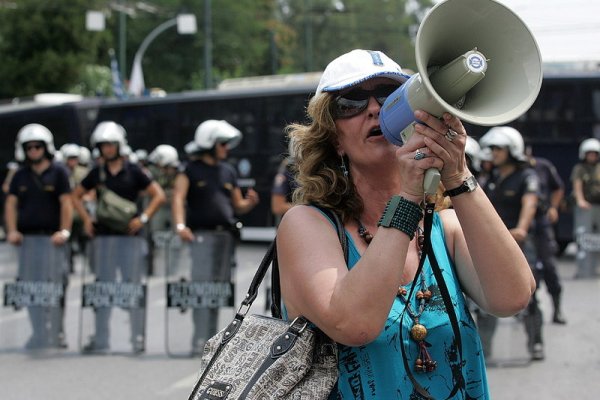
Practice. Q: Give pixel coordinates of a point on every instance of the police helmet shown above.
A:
(211, 132)
(164, 155)
(85, 156)
(141, 154)
(70, 150)
(473, 151)
(588, 145)
(505, 136)
(109, 132)
(33, 133)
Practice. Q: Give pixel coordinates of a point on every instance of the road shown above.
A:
(569, 371)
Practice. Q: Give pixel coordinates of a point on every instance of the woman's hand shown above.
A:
(446, 138)
(415, 159)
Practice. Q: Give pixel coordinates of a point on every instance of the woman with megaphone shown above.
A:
(397, 307)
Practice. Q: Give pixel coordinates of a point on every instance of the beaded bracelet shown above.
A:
(401, 214)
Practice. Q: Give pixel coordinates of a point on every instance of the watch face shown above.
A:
(471, 183)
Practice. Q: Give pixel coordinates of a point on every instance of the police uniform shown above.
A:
(113, 249)
(544, 237)
(587, 221)
(161, 221)
(39, 204)
(211, 216)
(38, 217)
(506, 193)
(284, 183)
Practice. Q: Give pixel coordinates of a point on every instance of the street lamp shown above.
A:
(186, 25)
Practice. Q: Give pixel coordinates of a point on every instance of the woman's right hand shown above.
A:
(412, 170)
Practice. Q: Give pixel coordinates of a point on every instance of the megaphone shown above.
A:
(477, 60)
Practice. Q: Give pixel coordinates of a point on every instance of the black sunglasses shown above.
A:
(354, 102)
(36, 146)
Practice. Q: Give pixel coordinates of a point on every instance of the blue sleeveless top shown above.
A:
(376, 370)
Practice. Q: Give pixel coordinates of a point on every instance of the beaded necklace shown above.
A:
(418, 332)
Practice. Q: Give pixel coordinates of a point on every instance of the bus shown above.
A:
(566, 111)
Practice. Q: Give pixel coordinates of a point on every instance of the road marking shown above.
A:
(187, 382)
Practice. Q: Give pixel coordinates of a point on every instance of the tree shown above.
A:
(43, 46)
(241, 35)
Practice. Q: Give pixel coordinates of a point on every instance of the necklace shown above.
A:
(418, 331)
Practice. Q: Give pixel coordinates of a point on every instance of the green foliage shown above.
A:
(45, 47)
(94, 80)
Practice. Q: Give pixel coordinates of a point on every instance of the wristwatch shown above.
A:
(469, 185)
(144, 218)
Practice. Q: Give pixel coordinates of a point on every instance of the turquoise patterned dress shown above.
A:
(376, 370)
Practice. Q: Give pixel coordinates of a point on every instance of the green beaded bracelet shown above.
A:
(401, 214)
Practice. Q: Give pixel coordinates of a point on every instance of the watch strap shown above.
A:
(463, 188)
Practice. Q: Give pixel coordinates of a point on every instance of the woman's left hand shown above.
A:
(446, 138)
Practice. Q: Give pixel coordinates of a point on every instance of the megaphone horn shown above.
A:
(477, 60)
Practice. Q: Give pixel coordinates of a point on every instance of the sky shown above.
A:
(565, 30)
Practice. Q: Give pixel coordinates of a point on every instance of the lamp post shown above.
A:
(186, 24)
(207, 44)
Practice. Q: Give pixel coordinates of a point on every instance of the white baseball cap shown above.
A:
(358, 66)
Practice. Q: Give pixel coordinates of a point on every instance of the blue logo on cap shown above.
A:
(376, 57)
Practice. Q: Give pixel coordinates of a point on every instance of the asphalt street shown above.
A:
(570, 371)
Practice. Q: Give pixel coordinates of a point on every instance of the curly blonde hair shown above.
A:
(320, 179)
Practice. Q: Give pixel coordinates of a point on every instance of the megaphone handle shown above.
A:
(431, 181)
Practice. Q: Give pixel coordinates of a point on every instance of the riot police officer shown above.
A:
(585, 177)
(513, 189)
(114, 248)
(206, 201)
(550, 195)
(38, 215)
(163, 164)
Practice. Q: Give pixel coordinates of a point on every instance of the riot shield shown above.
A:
(114, 290)
(588, 253)
(504, 340)
(199, 288)
(35, 278)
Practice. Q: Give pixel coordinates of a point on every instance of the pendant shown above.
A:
(424, 363)
(418, 332)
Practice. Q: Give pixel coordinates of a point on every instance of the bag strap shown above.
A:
(233, 327)
(101, 174)
(36, 180)
(260, 274)
(101, 181)
(428, 253)
(275, 284)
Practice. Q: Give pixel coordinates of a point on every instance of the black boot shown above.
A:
(557, 317)
(533, 327)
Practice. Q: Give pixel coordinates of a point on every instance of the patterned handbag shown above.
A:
(259, 357)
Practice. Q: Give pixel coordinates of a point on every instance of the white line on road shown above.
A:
(187, 382)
